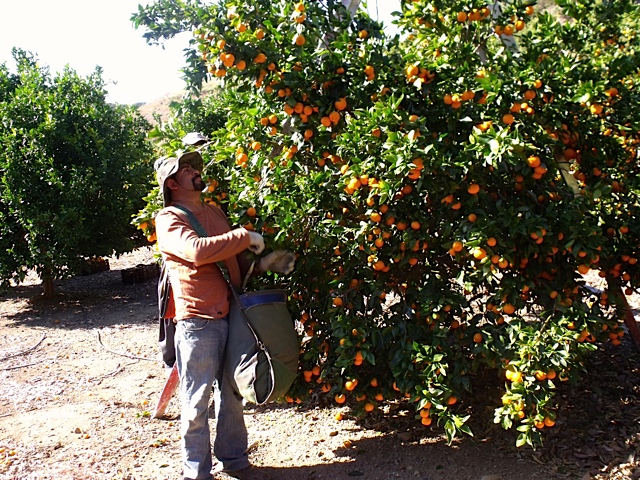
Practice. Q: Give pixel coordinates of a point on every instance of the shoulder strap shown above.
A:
(197, 226)
(199, 229)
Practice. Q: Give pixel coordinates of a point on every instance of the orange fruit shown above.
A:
(533, 161)
(369, 407)
(549, 422)
(516, 377)
(477, 338)
(426, 421)
(340, 104)
(412, 71)
(540, 375)
(508, 309)
(479, 253)
(251, 211)
(299, 39)
(340, 398)
(583, 269)
(492, 242)
(473, 188)
(337, 302)
(508, 119)
(596, 109)
(350, 385)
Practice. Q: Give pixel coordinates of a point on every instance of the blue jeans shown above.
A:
(200, 348)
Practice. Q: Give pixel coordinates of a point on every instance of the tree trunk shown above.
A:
(47, 283)
(625, 309)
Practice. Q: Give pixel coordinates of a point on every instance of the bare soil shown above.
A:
(79, 376)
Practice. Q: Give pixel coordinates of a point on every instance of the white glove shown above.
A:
(279, 261)
(257, 242)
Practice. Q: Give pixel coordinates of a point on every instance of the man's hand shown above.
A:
(257, 242)
(279, 261)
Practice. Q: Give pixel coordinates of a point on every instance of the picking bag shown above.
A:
(261, 358)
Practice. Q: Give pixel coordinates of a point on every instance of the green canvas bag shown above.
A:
(262, 353)
(262, 348)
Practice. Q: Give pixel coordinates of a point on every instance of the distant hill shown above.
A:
(160, 106)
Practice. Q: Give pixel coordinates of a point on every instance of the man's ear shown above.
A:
(171, 184)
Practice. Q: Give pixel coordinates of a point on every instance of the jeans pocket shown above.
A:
(194, 324)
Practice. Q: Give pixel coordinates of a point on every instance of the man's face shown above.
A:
(189, 178)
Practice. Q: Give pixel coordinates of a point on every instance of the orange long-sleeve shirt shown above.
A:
(199, 289)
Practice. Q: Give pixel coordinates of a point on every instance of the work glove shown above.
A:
(279, 261)
(256, 244)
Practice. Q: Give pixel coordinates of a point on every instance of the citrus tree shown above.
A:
(73, 169)
(446, 190)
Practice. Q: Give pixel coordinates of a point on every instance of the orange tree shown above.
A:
(73, 169)
(445, 190)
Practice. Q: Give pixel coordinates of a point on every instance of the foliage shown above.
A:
(446, 190)
(73, 170)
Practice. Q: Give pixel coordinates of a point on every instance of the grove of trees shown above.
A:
(446, 190)
(73, 170)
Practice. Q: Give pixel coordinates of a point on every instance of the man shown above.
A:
(202, 302)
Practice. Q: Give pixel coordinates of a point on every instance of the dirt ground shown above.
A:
(79, 376)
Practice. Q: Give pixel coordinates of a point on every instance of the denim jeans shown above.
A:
(200, 348)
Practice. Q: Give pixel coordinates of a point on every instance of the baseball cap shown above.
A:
(167, 166)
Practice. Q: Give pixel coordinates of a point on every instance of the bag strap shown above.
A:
(199, 229)
(197, 226)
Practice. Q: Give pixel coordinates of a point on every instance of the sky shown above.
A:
(88, 33)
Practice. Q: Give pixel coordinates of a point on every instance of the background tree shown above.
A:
(73, 170)
(447, 191)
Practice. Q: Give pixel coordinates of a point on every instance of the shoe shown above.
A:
(247, 473)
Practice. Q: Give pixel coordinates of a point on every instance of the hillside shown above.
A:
(161, 106)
